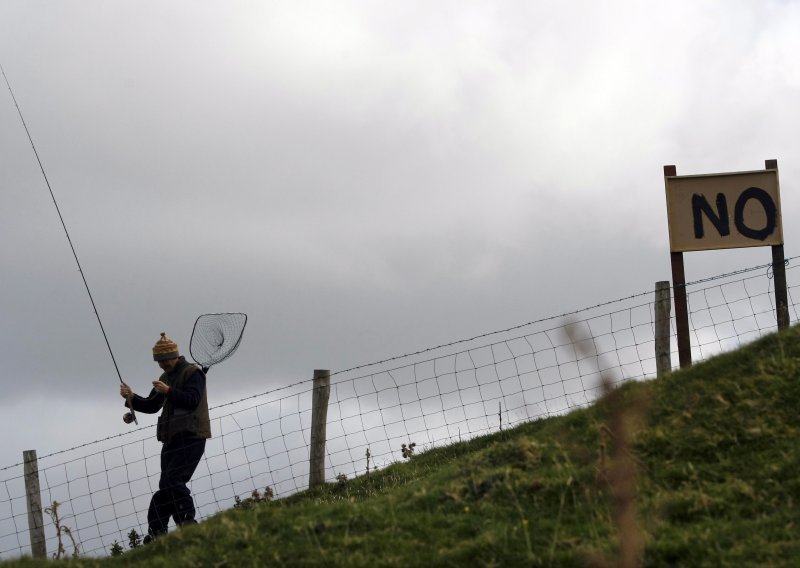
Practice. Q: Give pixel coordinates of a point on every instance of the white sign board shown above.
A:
(728, 210)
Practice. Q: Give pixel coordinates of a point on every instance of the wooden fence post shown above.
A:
(319, 421)
(662, 310)
(34, 499)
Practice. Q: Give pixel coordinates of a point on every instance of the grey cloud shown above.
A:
(362, 181)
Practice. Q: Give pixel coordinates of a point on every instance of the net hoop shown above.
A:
(215, 337)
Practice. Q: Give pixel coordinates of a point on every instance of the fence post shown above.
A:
(319, 421)
(34, 499)
(662, 310)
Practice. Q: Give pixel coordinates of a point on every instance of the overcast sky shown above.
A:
(363, 179)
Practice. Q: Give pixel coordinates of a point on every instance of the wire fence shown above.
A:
(429, 398)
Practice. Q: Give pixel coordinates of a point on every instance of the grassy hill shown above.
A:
(699, 468)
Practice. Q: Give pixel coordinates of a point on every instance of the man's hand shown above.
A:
(160, 387)
(125, 391)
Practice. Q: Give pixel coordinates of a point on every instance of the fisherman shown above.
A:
(183, 428)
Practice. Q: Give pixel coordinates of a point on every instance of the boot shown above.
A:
(151, 536)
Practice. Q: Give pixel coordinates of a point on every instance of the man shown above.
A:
(183, 428)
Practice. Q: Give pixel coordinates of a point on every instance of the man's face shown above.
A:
(167, 365)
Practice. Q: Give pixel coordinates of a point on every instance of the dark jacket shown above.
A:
(185, 408)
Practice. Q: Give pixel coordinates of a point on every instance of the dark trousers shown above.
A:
(179, 459)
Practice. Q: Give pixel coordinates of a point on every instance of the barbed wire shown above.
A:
(509, 329)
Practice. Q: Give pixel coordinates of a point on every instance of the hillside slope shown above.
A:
(717, 483)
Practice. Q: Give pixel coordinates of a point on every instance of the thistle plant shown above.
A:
(52, 510)
(255, 498)
(408, 451)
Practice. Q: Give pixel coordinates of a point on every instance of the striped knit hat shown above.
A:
(165, 349)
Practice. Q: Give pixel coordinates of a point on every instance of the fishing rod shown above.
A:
(66, 232)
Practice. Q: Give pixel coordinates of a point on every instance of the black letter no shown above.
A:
(719, 220)
(769, 208)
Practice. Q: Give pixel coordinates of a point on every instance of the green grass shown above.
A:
(718, 484)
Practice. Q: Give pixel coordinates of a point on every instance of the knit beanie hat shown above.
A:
(165, 349)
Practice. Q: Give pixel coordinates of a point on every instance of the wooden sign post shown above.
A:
(719, 211)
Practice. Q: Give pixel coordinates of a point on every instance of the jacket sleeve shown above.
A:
(189, 396)
(149, 405)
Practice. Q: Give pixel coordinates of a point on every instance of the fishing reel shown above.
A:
(128, 418)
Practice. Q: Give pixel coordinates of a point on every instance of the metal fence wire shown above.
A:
(429, 398)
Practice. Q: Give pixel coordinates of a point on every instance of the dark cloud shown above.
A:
(362, 181)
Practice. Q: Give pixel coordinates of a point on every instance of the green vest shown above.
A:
(176, 420)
